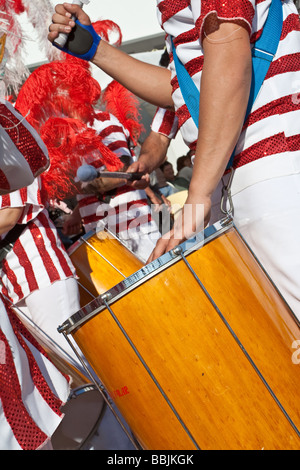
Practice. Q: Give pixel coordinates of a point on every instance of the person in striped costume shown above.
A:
(213, 39)
(32, 389)
(122, 209)
(37, 276)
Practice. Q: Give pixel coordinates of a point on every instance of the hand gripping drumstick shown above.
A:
(61, 40)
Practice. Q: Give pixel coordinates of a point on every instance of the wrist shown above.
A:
(82, 42)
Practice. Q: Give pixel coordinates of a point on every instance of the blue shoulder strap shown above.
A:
(262, 55)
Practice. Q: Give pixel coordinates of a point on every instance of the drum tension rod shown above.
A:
(101, 389)
(179, 252)
(106, 297)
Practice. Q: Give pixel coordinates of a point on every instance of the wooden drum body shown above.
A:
(101, 261)
(196, 349)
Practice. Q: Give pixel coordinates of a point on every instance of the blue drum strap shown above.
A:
(263, 52)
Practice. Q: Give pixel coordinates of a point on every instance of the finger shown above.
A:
(75, 10)
(159, 250)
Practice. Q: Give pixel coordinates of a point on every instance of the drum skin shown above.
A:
(101, 261)
(216, 397)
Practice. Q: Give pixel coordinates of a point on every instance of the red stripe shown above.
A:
(26, 432)
(270, 146)
(23, 140)
(60, 252)
(169, 8)
(183, 115)
(5, 199)
(291, 23)
(113, 128)
(287, 63)
(280, 106)
(12, 278)
(24, 260)
(117, 144)
(167, 123)
(36, 375)
(23, 195)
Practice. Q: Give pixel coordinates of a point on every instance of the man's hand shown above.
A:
(139, 167)
(192, 219)
(62, 21)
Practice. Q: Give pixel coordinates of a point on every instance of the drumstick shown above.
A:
(89, 173)
(62, 38)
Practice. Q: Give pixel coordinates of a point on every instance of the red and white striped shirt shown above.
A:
(24, 155)
(127, 213)
(165, 122)
(273, 125)
(38, 257)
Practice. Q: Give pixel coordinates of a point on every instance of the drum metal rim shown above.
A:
(142, 275)
(84, 238)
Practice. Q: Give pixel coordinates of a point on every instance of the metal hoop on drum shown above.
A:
(102, 390)
(110, 253)
(89, 317)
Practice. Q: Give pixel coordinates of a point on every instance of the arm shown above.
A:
(153, 154)
(225, 86)
(72, 223)
(9, 217)
(149, 82)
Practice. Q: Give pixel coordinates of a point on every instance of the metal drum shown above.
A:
(196, 349)
(101, 261)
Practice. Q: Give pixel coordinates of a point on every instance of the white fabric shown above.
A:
(38, 258)
(129, 209)
(49, 308)
(35, 404)
(182, 24)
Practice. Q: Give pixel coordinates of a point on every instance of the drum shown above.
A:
(83, 414)
(101, 261)
(85, 407)
(196, 349)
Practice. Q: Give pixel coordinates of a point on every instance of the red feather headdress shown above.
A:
(125, 106)
(60, 98)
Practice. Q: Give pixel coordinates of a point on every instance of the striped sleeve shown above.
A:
(29, 198)
(165, 122)
(37, 260)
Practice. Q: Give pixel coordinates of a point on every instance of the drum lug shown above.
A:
(177, 250)
(106, 297)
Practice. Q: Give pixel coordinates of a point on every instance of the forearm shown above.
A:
(9, 218)
(154, 151)
(149, 82)
(225, 86)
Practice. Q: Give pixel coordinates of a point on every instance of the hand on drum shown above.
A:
(62, 21)
(192, 219)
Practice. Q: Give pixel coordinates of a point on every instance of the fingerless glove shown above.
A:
(82, 42)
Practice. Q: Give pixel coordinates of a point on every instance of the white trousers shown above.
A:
(49, 308)
(266, 210)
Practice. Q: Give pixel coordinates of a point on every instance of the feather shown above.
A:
(125, 106)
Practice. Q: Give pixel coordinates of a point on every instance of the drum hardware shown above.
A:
(101, 260)
(146, 272)
(226, 195)
(112, 333)
(151, 374)
(103, 257)
(179, 251)
(102, 391)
